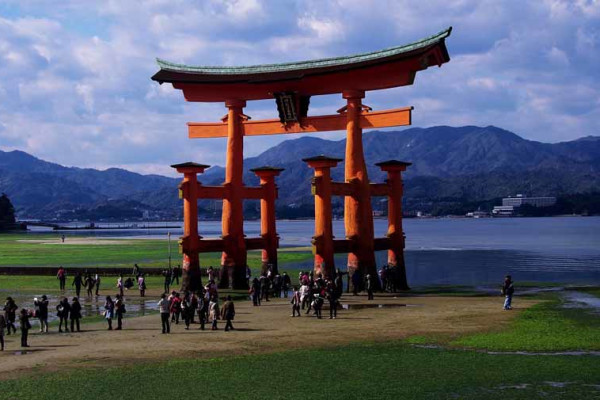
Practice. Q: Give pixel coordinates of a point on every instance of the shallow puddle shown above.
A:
(363, 306)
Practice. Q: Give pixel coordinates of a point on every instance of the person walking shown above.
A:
(296, 302)
(77, 282)
(119, 311)
(41, 312)
(175, 308)
(213, 312)
(176, 275)
(25, 326)
(97, 280)
(2, 327)
(164, 307)
(89, 284)
(75, 314)
(507, 290)
(61, 275)
(63, 308)
(265, 286)
(109, 311)
(228, 313)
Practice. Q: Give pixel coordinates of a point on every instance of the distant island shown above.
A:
(456, 170)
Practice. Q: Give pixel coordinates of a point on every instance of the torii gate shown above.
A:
(292, 85)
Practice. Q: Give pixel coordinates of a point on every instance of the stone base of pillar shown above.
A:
(233, 277)
(191, 280)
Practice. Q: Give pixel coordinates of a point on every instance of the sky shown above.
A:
(75, 82)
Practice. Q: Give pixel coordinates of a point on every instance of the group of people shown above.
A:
(91, 283)
(314, 291)
(269, 284)
(171, 276)
(204, 303)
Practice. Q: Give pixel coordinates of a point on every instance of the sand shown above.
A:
(258, 329)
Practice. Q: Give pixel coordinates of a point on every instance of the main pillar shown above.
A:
(233, 259)
(358, 214)
(394, 170)
(323, 238)
(190, 241)
(268, 227)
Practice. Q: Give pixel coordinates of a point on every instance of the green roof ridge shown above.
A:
(299, 65)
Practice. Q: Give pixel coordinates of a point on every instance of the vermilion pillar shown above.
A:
(233, 259)
(190, 241)
(394, 170)
(323, 238)
(268, 227)
(358, 214)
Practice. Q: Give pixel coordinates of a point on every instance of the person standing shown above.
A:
(25, 326)
(213, 312)
(120, 284)
(296, 302)
(164, 308)
(186, 309)
(75, 314)
(97, 279)
(63, 308)
(287, 283)
(369, 286)
(109, 311)
(176, 275)
(89, 284)
(255, 292)
(119, 311)
(61, 275)
(228, 313)
(10, 314)
(265, 286)
(167, 275)
(318, 305)
(248, 275)
(507, 290)
(2, 327)
(175, 308)
(142, 285)
(202, 309)
(332, 297)
(41, 306)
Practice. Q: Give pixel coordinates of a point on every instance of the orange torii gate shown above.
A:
(292, 85)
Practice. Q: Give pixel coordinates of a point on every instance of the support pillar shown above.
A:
(394, 170)
(190, 241)
(268, 227)
(233, 258)
(323, 238)
(358, 213)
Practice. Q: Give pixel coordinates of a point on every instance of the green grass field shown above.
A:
(545, 327)
(361, 371)
(28, 250)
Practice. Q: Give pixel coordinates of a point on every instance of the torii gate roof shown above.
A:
(392, 67)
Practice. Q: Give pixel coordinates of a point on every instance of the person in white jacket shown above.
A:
(164, 307)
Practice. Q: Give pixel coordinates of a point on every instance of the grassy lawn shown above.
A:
(378, 371)
(544, 327)
(23, 250)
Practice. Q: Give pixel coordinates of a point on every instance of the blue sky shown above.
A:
(75, 82)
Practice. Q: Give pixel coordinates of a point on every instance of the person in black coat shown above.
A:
(25, 326)
(75, 314)
(77, 282)
(41, 313)
(10, 314)
(63, 309)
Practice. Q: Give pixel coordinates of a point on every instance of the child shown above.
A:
(295, 302)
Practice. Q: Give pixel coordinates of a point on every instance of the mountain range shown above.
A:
(466, 163)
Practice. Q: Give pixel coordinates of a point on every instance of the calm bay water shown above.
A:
(455, 251)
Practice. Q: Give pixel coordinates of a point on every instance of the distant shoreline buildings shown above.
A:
(510, 204)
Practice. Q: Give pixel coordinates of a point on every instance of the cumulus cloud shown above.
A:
(75, 87)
